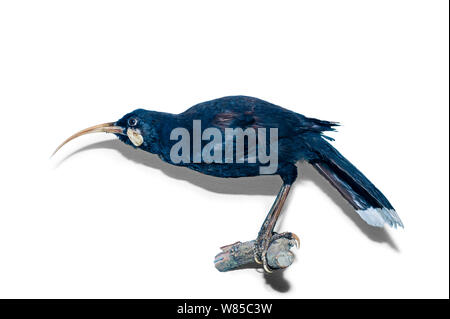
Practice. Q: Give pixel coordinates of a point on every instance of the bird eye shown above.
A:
(132, 121)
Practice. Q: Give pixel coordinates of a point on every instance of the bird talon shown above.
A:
(262, 258)
(267, 268)
(297, 240)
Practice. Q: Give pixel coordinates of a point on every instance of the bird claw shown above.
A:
(267, 269)
(263, 246)
(297, 240)
(263, 260)
(287, 235)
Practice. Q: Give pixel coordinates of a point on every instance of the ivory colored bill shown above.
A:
(105, 127)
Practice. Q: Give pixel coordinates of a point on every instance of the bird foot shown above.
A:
(264, 244)
(242, 254)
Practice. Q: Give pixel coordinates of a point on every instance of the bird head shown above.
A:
(137, 129)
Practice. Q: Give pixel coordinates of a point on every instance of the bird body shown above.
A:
(295, 132)
(207, 129)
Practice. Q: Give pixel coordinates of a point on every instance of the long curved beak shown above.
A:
(106, 128)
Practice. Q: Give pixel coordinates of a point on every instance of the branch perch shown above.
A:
(241, 254)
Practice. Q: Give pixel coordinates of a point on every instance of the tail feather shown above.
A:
(366, 199)
(378, 216)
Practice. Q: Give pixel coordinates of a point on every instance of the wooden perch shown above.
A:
(239, 255)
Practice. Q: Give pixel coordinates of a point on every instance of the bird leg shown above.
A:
(266, 234)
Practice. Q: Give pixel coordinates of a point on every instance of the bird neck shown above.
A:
(157, 126)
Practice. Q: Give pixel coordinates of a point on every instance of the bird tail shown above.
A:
(367, 200)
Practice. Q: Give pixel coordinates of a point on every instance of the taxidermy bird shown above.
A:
(178, 139)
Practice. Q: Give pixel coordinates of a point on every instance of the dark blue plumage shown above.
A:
(232, 112)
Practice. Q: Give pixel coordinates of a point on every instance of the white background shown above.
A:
(102, 220)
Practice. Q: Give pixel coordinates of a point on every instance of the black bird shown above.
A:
(226, 148)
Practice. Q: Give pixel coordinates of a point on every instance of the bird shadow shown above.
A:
(258, 185)
(267, 185)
